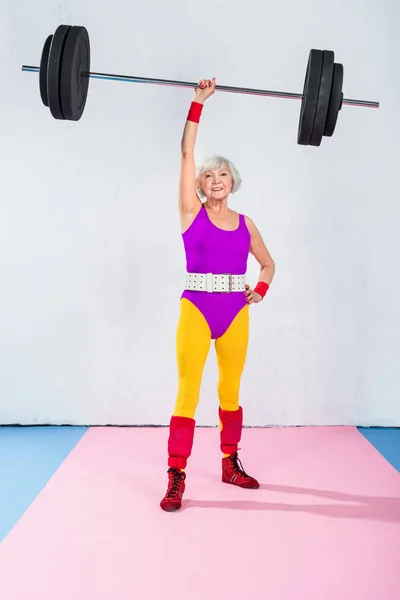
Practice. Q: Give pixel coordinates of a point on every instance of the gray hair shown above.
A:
(217, 162)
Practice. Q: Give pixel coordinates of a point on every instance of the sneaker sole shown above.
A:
(173, 509)
(244, 487)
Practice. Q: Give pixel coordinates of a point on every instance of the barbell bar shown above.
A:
(64, 75)
(220, 88)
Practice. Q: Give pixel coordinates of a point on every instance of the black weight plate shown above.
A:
(54, 68)
(310, 97)
(336, 99)
(43, 71)
(74, 86)
(328, 59)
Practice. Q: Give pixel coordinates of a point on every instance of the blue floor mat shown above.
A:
(29, 456)
(386, 440)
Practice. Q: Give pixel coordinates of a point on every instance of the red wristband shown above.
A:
(261, 288)
(194, 113)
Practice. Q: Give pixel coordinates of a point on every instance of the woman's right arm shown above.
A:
(189, 202)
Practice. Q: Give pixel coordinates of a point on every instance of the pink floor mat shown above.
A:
(325, 524)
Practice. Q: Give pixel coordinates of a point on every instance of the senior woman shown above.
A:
(214, 304)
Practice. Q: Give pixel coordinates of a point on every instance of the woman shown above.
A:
(214, 305)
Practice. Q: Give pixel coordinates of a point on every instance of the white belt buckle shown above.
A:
(209, 282)
(228, 291)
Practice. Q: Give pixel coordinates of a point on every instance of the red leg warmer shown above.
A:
(231, 432)
(180, 442)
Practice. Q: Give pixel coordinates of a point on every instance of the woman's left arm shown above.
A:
(267, 266)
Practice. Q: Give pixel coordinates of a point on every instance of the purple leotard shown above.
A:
(210, 249)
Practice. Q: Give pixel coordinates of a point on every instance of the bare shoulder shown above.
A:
(250, 225)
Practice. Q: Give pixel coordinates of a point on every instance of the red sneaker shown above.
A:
(233, 472)
(176, 486)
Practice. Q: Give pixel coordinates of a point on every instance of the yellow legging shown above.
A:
(193, 341)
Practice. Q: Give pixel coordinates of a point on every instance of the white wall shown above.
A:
(91, 259)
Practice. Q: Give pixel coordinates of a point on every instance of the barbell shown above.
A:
(64, 75)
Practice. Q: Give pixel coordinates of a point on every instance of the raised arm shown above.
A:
(189, 202)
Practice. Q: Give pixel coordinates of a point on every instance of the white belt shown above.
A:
(208, 282)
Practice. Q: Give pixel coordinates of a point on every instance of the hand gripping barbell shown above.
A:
(64, 75)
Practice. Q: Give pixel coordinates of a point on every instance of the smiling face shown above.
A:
(216, 184)
(216, 178)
